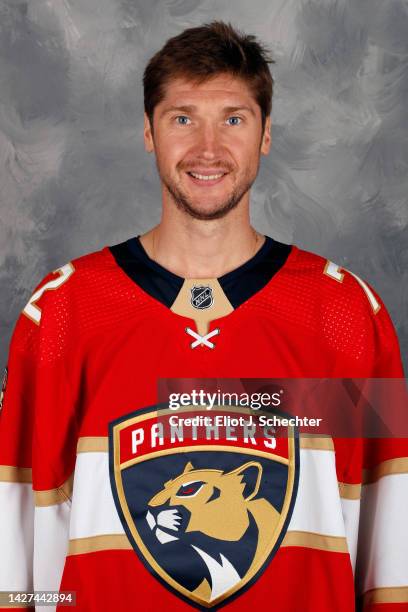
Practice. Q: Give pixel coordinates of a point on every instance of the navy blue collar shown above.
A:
(238, 285)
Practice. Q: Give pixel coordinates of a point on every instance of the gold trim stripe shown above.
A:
(93, 444)
(386, 595)
(349, 491)
(304, 539)
(314, 442)
(386, 468)
(10, 473)
(80, 546)
(52, 497)
(307, 539)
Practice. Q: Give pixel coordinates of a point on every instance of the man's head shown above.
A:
(208, 96)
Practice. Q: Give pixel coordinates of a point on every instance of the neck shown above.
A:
(192, 248)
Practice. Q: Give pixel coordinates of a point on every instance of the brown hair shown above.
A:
(203, 52)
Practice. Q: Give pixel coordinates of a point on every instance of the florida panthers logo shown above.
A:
(205, 519)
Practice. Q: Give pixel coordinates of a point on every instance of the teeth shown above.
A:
(210, 177)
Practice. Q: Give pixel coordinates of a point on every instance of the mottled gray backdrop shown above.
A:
(73, 172)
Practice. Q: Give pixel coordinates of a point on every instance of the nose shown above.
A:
(209, 145)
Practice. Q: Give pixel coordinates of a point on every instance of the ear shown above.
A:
(189, 466)
(251, 473)
(148, 135)
(266, 138)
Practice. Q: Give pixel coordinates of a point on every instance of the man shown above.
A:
(93, 499)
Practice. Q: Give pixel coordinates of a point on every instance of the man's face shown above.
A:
(209, 130)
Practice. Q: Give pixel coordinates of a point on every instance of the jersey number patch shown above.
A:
(31, 309)
(335, 271)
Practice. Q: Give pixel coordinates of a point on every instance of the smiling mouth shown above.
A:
(206, 179)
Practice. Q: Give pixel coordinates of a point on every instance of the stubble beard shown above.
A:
(219, 210)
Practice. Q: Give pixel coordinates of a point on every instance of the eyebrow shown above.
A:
(192, 108)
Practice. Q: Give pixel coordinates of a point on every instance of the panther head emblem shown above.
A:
(216, 514)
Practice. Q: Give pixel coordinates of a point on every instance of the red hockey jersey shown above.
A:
(315, 526)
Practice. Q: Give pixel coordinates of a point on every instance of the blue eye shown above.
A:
(182, 117)
(237, 120)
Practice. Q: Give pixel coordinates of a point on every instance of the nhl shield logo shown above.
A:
(205, 516)
(201, 297)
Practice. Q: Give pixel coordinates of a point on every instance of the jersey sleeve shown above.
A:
(37, 448)
(382, 549)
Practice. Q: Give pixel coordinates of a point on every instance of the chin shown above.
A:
(206, 214)
(203, 209)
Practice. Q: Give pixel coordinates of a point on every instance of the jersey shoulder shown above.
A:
(74, 300)
(335, 303)
(333, 285)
